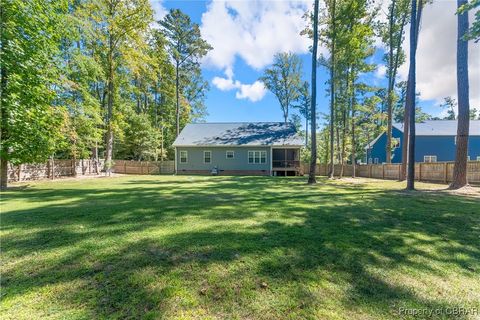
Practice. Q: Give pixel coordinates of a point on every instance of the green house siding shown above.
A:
(219, 159)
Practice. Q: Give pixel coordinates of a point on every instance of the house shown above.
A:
(435, 141)
(257, 148)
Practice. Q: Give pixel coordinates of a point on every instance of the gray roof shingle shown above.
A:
(238, 134)
(441, 128)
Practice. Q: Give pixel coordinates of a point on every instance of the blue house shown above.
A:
(435, 141)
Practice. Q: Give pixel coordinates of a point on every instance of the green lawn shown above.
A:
(158, 247)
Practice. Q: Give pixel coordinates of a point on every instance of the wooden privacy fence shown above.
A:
(424, 171)
(144, 167)
(52, 169)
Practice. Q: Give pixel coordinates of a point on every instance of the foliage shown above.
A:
(450, 104)
(31, 125)
(186, 47)
(283, 79)
(142, 140)
(474, 30)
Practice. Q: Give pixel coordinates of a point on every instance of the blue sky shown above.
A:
(246, 34)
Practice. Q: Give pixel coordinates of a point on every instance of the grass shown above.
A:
(158, 247)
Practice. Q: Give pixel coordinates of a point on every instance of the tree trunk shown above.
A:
(460, 167)
(313, 121)
(109, 134)
(344, 136)
(74, 166)
(406, 125)
(410, 100)
(408, 112)
(4, 173)
(332, 94)
(306, 131)
(3, 113)
(353, 131)
(177, 110)
(388, 146)
(95, 158)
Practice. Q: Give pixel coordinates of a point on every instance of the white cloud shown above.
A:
(253, 30)
(225, 84)
(253, 92)
(436, 55)
(159, 10)
(381, 71)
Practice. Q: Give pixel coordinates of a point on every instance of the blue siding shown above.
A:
(378, 149)
(441, 146)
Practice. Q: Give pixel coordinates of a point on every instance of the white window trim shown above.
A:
(263, 152)
(186, 156)
(259, 153)
(430, 157)
(233, 154)
(205, 151)
(376, 161)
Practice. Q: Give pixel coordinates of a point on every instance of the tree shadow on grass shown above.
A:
(304, 243)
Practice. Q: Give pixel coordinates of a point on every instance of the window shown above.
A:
(257, 157)
(369, 160)
(230, 154)
(376, 160)
(183, 156)
(395, 143)
(478, 158)
(263, 156)
(468, 158)
(429, 158)
(207, 156)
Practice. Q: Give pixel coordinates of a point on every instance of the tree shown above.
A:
(313, 115)
(283, 79)
(186, 47)
(83, 130)
(474, 32)
(142, 138)
(460, 167)
(410, 98)
(393, 35)
(303, 106)
(332, 35)
(450, 104)
(117, 26)
(415, 16)
(29, 45)
(473, 114)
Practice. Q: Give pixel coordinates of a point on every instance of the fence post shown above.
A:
(445, 171)
(419, 171)
(399, 171)
(383, 171)
(369, 170)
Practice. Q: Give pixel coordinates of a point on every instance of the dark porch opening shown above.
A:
(285, 162)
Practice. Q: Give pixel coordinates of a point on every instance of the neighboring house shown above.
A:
(435, 141)
(257, 148)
